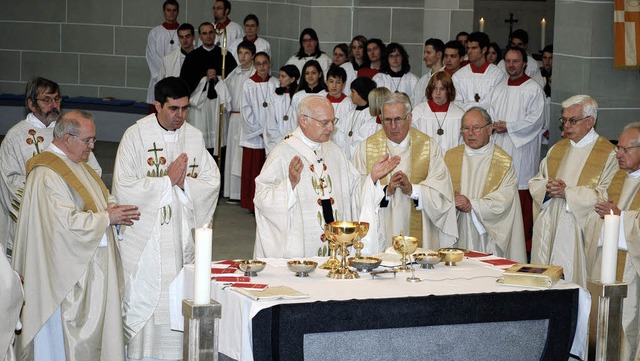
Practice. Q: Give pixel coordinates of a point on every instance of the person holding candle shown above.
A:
(572, 178)
(67, 252)
(623, 199)
(163, 166)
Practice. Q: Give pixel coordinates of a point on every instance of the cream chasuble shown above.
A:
(290, 222)
(62, 210)
(156, 247)
(486, 176)
(433, 220)
(10, 306)
(562, 226)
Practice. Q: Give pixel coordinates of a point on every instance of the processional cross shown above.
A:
(511, 21)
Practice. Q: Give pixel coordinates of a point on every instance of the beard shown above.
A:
(50, 116)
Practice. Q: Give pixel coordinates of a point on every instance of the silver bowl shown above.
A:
(427, 260)
(365, 264)
(302, 268)
(251, 267)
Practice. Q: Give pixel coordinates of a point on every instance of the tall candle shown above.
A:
(202, 272)
(481, 22)
(543, 33)
(610, 248)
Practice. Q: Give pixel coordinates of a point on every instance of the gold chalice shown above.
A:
(332, 263)
(404, 245)
(363, 229)
(344, 233)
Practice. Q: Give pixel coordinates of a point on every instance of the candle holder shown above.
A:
(605, 322)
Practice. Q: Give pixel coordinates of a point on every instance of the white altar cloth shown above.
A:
(468, 277)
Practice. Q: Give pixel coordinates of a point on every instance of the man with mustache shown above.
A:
(27, 138)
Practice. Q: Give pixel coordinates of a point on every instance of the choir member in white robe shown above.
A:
(418, 200)
(342, 105)
(309, 50)
(256, 92)
(486, 192)
(358, 124)
(311, 82)
(233, 156)
(29, 137)
(163, 166)
(439, 117)
(476, 82)
(280, 119)
(161, 41)
(574, 176)
(11, 300)
(624, 200)
(172, 62)
(231, 30)
(520, 39)
(395, 71)
(307, 181)
(432, 55)
(67, 253)
(251, 28)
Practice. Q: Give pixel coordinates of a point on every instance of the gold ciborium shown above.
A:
(363, 229)
(343, 234)
(404, 245)
(332, 263)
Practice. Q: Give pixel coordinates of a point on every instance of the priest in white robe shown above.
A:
(163, 166)
(11, 299)
(485, 184)
(29, 137)
(417, 198)
(573, 177)
(308, 181)
(66, 251)
(624, 200)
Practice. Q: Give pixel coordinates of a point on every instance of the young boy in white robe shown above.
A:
(342, 105)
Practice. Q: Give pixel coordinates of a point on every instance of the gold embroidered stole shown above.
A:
(420, 157)
(55, 163)
(593, 167)
(500, 165)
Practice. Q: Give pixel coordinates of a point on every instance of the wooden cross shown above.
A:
(155, 150)
(511, 21)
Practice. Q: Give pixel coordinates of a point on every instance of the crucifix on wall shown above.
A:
(511, 21)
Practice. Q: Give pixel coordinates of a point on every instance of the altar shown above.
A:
(456, 312)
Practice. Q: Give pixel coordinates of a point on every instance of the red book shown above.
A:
(232, 279)
(216, 271)
(474, 254)
(499, 262)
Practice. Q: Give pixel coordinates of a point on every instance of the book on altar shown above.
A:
(271, 293)
(532, 275)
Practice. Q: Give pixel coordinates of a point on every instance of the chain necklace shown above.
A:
(440, 130)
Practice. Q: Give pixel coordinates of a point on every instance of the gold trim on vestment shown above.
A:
(55, 163)
(500, 165)
(420, 156)
(615, 189)
(592, 170)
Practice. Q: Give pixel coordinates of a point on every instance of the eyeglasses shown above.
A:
(624, 150)
(395, 120)
(474, 129)
(49, 100)
(324, 123)
(571, 121)
(87, 141)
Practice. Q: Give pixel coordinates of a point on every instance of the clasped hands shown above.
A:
(556, 187)
(463, 204)
(604, 208)
(177, 170)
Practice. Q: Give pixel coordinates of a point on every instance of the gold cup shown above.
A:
(343, 234)
(404, 245)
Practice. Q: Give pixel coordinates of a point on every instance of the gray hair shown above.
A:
(589, 105)
(482, 111)
(375, 100)
(35, 85)
(69, 124)
(633, 126)
(394, 98)
(305, 107)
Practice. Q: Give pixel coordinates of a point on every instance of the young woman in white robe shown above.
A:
(281, 115)
(395, 70)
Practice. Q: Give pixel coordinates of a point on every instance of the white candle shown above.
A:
(543, 33)
(481, 24)
(202, 272)
(610, 248)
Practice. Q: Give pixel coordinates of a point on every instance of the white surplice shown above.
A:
(280, 120)
(468, 84)
(323, 59)
(404, 84)
(532, 69)
(418, 96)
(353, 129)
(156, 247)
(10, 306)
(159, 44)
(172, 63)
(428, 122)
(261, 44)
(255, 104)
(204, 113)
(290, 222)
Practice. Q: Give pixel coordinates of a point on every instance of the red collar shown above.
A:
(368, 72)
(223, 25)
(244, 38)
(438, 108)
(255, 77)
(336, 100)
(168, 26)
(481, 69)
(518, 81)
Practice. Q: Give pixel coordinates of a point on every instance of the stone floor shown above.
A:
(234, 228)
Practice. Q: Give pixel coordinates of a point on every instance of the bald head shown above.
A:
(75, 135)
(316, 118)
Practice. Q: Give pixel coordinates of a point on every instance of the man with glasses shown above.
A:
(417, 199)
(162, 166)
(572, 178)
(67, 252)
(486, 191)
(308, 181)
(221, 10)
(623, 199)
(27, 138)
